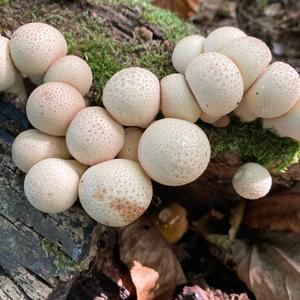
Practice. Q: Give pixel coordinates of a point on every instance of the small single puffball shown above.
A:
(174, 152)
(116, 192)
(286, 125)
(252, 181)
(216, 82)
(132, 97)
(208, 118)
(34, 47)
(94, 136)
(130, 148)
(72, 70)
(220, 37)
(251, 55)
(222, 122)
(186, 50)
(52, 106)
(177, 100)
(275, 92)
(51, 185)
(244, 113)
(32, 146)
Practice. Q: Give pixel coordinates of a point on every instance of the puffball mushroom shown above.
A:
(11, 80)
(72, 70)
(251, 56)
(130, 148)
(116, 192)
(32, 146)
(174, 152)
(52, 106)
(275, 92)
(220, 37)
(94, 136)
(186, 50)
(252, 181)
(34, 47)
(208, 118)
(222, 122)
(177, 100)
(51, 185)
(286, 125)
(132, 97)
(244, 113)
(216, 82)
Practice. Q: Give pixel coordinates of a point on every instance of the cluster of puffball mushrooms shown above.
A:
(72, 151)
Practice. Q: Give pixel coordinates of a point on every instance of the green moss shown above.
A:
(254, 143)
(4, 2)
(61, 261)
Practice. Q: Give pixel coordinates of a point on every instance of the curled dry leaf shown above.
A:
(280, 211)
(154, 269)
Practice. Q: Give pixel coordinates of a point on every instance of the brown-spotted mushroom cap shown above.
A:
(251, 56)
(132, 97)
(32, 146)
(94, 136)
(174, 152)
(275, 92)
(252, 181)
(51, 185)
(10, 78)
(177, 100)
(34, 47)
(220, 37)
(286, 125)
(186, 50)
(216, 82)
(115, 192)
(130, 148)
(52, 106)
(72, 70)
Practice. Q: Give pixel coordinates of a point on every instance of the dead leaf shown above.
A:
(154, 269)
(184, 8)
(280, 211)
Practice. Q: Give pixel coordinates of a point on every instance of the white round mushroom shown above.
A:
(220, 37)
(216, 82)
(52, 106)
(94, 136)
(275, 92)
(286, 125)
(186, 50)
(244, 113)
(251, 56)
(174, 152)
(130, 148)
(132, 97)
(31, 146)
(177, 100)
(51, 185)
(34, 47)
(252, 181)
(116, 192)
(72, 70)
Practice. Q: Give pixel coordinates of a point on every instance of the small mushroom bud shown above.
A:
(132, 97)
(32, 146)
(252, 181)
(186, 50)
(220, 37)
(72, 70)
(222, 123)
(275, 92)
(174, 152)
(51, 185)
(94, 136)
(52, 106)
(130, 148)
(208, 118)
(115, 192)
(244, 113)
(34, 47)
(216, 82)
(177, 100)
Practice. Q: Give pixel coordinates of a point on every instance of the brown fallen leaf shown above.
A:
(280, 211)
(154, 268)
